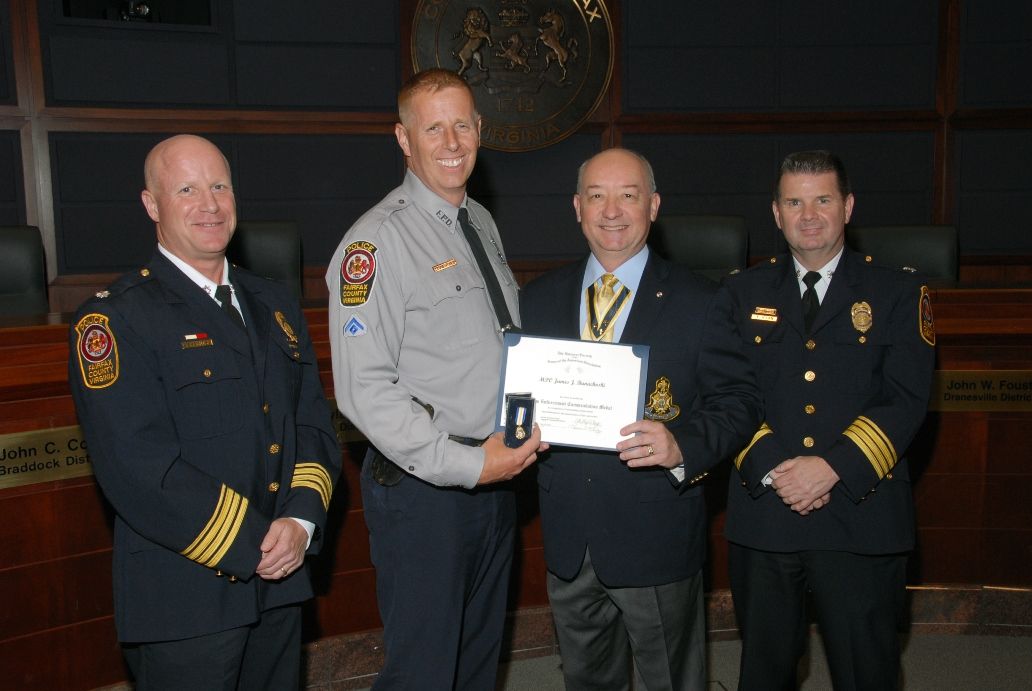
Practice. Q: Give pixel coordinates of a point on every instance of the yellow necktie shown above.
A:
(604, 306)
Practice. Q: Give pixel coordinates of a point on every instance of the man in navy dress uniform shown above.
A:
(625, 531)
(821, 497)
(199, 394)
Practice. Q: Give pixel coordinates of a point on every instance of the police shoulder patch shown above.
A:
(97, 351)
(357, 273)
(926, 324)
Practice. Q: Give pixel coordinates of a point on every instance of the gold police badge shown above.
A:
(862, 319)
(661, 405)
(537, 69)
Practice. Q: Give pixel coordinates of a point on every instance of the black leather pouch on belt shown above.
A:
(384, 471)
(387, 473)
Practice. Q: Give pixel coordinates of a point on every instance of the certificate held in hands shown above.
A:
(583, 392)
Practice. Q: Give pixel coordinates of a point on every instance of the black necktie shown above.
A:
(224, 294)
(810, 302)
(494, 290)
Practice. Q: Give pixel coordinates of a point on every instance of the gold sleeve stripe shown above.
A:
(217, 536)
(760, 433)
(314, 477)
(874, 444)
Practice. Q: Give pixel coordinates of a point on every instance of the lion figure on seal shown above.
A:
(476, 30)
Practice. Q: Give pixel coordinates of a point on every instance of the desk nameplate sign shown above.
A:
(982, 391)
(43, 455)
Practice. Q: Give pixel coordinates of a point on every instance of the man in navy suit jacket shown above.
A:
(624, 531)
(198, 390)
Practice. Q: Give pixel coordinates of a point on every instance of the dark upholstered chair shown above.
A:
(269, 248)
(930, 250)
(23, 277)
(713, 246)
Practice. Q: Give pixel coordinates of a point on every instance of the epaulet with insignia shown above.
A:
(124, 283)
(869, 260)
(769, 263)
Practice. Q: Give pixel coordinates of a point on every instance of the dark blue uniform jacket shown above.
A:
(200, 435)
(853, 392)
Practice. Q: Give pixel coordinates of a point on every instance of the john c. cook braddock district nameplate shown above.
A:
(537, 69)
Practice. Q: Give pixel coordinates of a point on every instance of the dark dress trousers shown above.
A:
(200, 434)
(642, 526)
(854, 391)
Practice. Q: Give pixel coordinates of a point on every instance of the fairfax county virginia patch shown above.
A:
(926, 323)
(97, 351)
(354, 327)
(357, 273)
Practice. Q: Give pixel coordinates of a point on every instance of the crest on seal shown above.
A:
(661, 403)
(537, 69)
(97, 351)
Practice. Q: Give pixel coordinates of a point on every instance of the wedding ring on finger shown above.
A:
(651, 450)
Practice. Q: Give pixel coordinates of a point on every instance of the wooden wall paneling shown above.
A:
(346, 546)
(30, 535)
(350, 608)
(28, 74)
(947, 555)
(1005, 556)
(80, 656)
(56, 594)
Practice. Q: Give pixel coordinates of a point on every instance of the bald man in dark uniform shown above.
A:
(199, 394)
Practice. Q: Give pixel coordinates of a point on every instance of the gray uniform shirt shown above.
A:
(410, 316)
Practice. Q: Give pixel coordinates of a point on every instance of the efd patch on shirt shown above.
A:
(357, 273)
(97, 351)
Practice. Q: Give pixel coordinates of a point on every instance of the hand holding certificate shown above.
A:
(584, 392)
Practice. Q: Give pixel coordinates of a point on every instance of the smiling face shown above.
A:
(812, 213)
(615, 206)
(440, 135)
(189, 197)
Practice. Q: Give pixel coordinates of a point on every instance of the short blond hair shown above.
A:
(430, 81)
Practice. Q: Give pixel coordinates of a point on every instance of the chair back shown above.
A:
(713, 246)
(23, 276)
(931, 250)
(269, 248)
